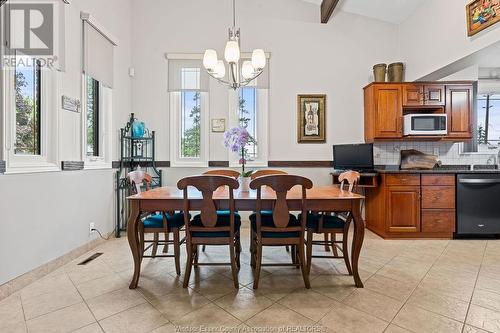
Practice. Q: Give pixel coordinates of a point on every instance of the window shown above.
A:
(189, 114)
(248, 118)
(28, 106)
(92, 117)
(488, 120)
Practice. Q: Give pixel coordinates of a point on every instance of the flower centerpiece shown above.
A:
(236, 139)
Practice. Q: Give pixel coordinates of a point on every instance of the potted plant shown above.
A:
(236, 139)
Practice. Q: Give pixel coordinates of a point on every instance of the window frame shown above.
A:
(96, 115)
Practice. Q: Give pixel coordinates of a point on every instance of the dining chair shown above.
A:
(210, 227)
(156, 223)
(281, 227)
(327, 223)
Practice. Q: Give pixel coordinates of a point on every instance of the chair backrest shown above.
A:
(281, 184)
(267, 172)
(223, 172)
(137, 178)
(352, 179)
(207, 184)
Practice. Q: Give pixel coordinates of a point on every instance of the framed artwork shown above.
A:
(311, 118)
(219, 125)
(482, 14)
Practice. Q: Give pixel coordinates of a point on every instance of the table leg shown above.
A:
(357, 242)
(133, 241)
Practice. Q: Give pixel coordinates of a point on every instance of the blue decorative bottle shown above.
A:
(138, 129)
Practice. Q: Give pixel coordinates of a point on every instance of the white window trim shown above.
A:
(48, 160)
(103, 161)
(262, 128)
(175, 159)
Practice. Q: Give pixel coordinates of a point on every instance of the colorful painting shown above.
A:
(481, 14)
(311, 111)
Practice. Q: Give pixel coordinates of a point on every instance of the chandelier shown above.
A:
(239, 76)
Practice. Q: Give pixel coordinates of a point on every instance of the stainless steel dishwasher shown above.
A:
(478, 204)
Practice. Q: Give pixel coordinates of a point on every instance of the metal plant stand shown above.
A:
(134, 152)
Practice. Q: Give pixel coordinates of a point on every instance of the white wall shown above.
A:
(306, 57)
(436, 35)
(44, 216)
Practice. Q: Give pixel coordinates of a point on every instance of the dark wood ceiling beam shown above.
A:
(327, 8)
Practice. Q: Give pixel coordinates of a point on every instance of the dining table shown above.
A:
(330, 198)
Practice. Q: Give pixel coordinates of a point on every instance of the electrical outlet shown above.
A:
(436, 151)
(91, 228)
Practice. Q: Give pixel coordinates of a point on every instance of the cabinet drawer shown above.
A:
(438, 220)
(442, 197)
(431, 180)
(403, 179)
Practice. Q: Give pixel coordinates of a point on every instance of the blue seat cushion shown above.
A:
(223, 220)
(267, 221)
(175, 220)
(329, 221)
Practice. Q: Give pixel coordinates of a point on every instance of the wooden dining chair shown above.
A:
(327, 224)
(210, 227)
(267, 172)
(280, 228)
(156, 223)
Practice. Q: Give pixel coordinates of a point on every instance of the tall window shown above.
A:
(248, 118)
(92, 116)
(488, 120)
(190, 113)
(28, 106)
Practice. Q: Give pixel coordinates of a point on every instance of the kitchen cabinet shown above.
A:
(387, 103)
(403, 209)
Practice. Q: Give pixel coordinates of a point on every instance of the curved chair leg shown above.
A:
(287, 248)
(167, 239)
(302, 262)
(196, 255)
(203, 248)
(234, 268)
(253, 250)
(141, 240)
(238, 251)
(177, 251)
(345, 248)
(334, 245)
(155, 244)
(310, 235)
(327, 247)
(256, 275)
(189, 264)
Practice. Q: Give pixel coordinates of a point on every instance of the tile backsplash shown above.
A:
(388, 153)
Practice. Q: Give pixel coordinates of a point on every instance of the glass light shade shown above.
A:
(210, 59)
(232, 51)
(220, 70)
(258, 59)
(247, 70)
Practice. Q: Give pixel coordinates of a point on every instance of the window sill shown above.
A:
(97, 165)
(189, 164)
(16, 170)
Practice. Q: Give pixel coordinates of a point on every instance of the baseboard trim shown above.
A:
(24, 280)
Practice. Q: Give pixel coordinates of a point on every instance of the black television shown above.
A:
(353, 157)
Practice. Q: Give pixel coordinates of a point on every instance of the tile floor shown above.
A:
(410, 286)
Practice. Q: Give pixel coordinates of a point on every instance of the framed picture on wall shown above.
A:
(482, 14)
(311, 118)
(218, 125)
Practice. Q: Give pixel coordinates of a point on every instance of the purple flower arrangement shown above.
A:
(236, 139)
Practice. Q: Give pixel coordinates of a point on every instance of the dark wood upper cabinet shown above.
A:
(383, 113)
(415, 95)
(459, 105)
(434, 94)
(403, 209)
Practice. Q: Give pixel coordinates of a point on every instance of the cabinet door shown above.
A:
(388, 112)
(403, 209)
(434, 94)
(459, 111)
(413, 95)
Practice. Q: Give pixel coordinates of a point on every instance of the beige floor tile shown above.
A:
(244, 303)
(168, 328)
(483, 318)
(155, 287)
(334, 286)
(111, 303)
(276, 286)
(48, 284)
(209, 317)
(486, 299)
(308, 303)
(396, 329)
(214, 287)
(82, 273)
(11, 315)
(488, 283)
(441, 304)
(376, 304)
(278, 315)
(448, 285)
(139, 319)
(46, 303)
(64, 320)
(389, 287)
(472, 329)
(419, 320)
(99, 286)
(92, 328)
(177, 304)
(342, 318)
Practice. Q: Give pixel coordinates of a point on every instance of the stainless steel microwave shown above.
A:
(425, 124)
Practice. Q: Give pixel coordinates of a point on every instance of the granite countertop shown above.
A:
(441, 169)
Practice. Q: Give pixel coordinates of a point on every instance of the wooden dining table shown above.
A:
(319, 198)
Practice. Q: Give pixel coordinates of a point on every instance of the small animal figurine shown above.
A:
(352, 177)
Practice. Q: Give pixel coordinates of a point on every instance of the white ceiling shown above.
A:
(393, 11)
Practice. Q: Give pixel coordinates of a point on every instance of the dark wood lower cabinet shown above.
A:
(412, 206)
